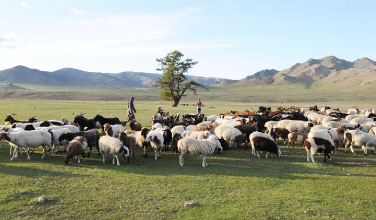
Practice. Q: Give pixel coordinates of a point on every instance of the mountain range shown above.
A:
(69, 77)
(327, 71)
(314, 73)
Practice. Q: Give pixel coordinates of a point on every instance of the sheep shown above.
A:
(296, 137)
(113, 146)
(315, 118)
(269, 125)
(211, 118)
(353, 111)
(196, 134)
(337, 134)
(84, 123)
(156, 141)
(113, 130)
(231, 134)
(295, 125)
(167, 136)
(76, 147)
(135, 125)
(91, 136)
(359, 138)
(55, 142)
(263, 142)
(174, 142)
(281, 133)
(156, 125)
(314, 145)
(351, 117)
(198, 147)
(28, 139)
(128, 141)
(320, 128)
(361, 120)
(178, 129)
(140, 137)
(247, 129)
(102, 121)
(318, 141)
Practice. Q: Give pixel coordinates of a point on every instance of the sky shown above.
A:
(229, 38)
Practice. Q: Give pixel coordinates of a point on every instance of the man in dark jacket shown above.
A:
(131, 110)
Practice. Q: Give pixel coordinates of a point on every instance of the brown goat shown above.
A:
(296, 137)
(76, 148)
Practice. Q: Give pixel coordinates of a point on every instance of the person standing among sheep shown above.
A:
(131, 110)
(199, 105)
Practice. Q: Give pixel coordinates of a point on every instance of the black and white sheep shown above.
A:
(156, 141)
(231, 134)
(318, 141)
(263, 142)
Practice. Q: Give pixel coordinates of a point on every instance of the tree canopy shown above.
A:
(173, 83)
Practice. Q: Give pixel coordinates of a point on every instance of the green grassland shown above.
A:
(235, 185)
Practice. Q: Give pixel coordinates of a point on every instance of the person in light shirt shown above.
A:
(199, 105)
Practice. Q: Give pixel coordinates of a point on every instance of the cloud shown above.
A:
(78, 11)
(24, 5)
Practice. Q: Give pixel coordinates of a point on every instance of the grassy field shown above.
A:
(235, 185)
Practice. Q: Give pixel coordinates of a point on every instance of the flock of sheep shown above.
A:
(320, 131)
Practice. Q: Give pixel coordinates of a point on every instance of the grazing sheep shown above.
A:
(280, 133)
(156, 141)
(296, 137)
(247, 129)
(295, 125)
(198, 147)
(315, 118)
(113, 146)
(76, 147)
(359, 138)
(231, 134)
(319, 141)
(28, 139)
(128, 141)
(263, 142)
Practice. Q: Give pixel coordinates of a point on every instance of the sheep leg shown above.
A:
(99, 153)
(352, 149)
(366, 150)
(44, 151)
(27, 153)
(104, 160)
(145, 152)
(90, 148)
(134, 157)
(78, 158)
(155, 154)
(258, 154)
(308, 158)
(113, 159)
(312, 159)
(10, 150)
(83, 156)
(204, 161)
(266, 155)
(181, 159)
(14, 154)
(117, 159)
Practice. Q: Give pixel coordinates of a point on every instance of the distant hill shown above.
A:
(327, 71)
(69, 77)
(10, 86)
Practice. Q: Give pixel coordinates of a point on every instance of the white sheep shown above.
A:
(230, 134)
(156, 141)
(113, 146)
(28, 139)
(156, 125)
(196, 134)
(269, 125)
(314, 117)
(320, 128)
(295, 125)
(198, 147)
(361, 120)
(353, 111)
(178, 129)
(359, 138)
(212, 118)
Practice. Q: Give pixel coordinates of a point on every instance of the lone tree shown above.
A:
(173, 83)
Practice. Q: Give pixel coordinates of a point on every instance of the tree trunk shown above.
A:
(176, 103)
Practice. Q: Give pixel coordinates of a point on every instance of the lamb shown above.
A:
(318, 141)
(76, 147)
(113, 146)
(263, 142)
(140, 137)
(28, 139)
(231, 134)
(156, 141)
(128, 141)
(295, 125)
(198, 147)
(296, 137)
(359, 138)
(281, 133)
